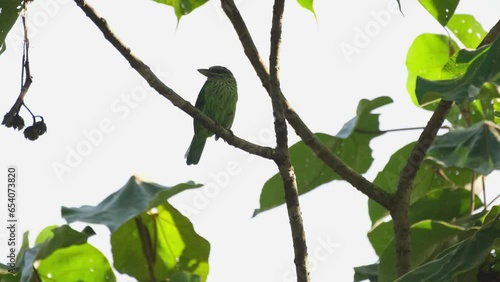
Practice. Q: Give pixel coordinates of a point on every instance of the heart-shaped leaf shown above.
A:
(351, 144)
(476, 148)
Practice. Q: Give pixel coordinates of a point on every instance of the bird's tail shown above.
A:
(194, 151)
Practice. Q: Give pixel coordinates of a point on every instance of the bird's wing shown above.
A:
(200, 105)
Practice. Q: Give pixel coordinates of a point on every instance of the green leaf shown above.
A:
(427, 207)
(484, 66)
(441, 10)
(307, 4)
(351, 144)
(169, 240)
(183, 276)
(467, 30)
(51, 255)
(461, 61)
(461, 257)
(9, 12)
(86, 263)
(426, 57)
(366, 272)
(476, 148)
(134, 198)
(182, 7)
(429, 177)
(140, 218)
(428, 238)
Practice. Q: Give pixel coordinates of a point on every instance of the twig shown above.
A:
(282, 157)
(472, 194)
(401, 199)
(26, 78)
(484, 192)
(171, 95)
(322, 152)
(395, 130)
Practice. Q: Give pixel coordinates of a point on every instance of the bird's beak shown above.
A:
(205, 72)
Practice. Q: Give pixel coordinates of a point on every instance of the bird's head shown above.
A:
(217, 72)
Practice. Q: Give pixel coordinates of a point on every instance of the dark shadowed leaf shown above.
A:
(351, 144)
(140, 218)
(480, 66)
(461, 257)
(366, 272)
(183, 276)
(441, 10)
(476, 148)
(428, 238)
(9, 13)
(429, 206)
(134, 198)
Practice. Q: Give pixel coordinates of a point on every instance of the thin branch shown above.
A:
(484, 192)
(282, 155)
(26, 78)
(472, 194)
(401, 199)
(322, 152)
(395, 130)
(171, 95)
(492, 201)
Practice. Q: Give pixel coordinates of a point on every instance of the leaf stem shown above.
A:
(147, 247)
(396, 129)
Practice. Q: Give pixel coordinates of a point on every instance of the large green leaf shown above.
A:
(429, 177)
(476, 148)
(307, 4)
(441, 10)
(56, 244)
(182, 7)
(467, 30)
(168, 237)
(483, 66)
(461, 257)
(428, 238)
(154, 232)
(426, 57)
(9, 12)
(86, 263)
(351, 144)
(134, 198)
(429, 206)
(366, 272)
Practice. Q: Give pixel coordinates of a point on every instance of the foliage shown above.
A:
(452, 239)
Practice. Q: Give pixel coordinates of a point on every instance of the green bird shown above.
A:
(217, 99)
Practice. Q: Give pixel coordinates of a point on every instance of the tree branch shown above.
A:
(322, 152)
(170, 94)
(401, 201)
(282, 155)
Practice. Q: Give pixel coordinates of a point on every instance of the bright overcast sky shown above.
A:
(104, 123)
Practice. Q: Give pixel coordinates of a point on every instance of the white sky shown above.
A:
(81, 81)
